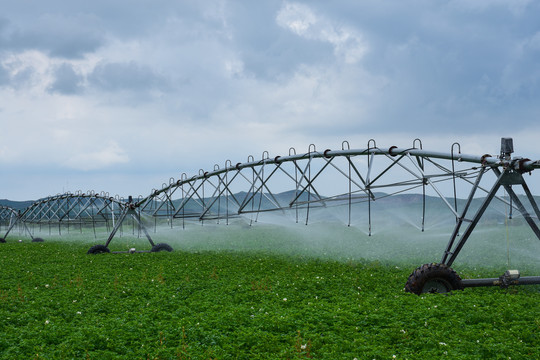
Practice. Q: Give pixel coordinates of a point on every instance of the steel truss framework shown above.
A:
(299, 183)
(9, 218)
(68, 210)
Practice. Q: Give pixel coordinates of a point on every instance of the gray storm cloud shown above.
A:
(178, 86)
(66, 80)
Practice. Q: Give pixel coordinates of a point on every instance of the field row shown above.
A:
(57, 302)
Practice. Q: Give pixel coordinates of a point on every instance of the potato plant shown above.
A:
(57, 302)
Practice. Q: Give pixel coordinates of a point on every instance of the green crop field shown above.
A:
(255, 293)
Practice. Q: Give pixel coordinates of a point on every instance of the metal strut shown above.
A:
(129, 210)
(17, 217)
(506, 179)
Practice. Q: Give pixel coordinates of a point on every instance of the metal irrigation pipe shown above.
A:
(519, 164)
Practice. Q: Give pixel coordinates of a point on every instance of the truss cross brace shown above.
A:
(13, 223)
(129, 211)
(505, 179)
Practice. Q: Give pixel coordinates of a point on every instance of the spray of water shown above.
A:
(396, 235)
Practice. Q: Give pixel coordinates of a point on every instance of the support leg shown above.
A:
(472, 224)
(141, 226)
(455, 233)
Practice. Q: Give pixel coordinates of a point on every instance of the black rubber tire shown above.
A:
(38, 239)
(433, 278)
(2, 240)
(98, 249)
(161, 247)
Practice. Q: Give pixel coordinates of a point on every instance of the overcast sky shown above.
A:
(119, 96)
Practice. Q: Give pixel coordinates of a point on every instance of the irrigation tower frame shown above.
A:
(346, 177)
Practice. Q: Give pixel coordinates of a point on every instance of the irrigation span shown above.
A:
(297, 183)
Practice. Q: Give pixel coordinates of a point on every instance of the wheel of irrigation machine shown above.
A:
(38, 239)
(2, 240)
(98, 249)
(161, 247)
(433, 278)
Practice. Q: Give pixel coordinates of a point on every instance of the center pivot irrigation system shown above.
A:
(295, 184)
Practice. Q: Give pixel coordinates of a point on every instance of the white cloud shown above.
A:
(28, 70)
(95, 159)
(298, 18)
(348, 43)
(234, 67)
(192, 84)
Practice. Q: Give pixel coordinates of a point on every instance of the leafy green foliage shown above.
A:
(56, 302)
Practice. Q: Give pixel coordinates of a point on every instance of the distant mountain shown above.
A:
(17, 205)
(383, 203)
